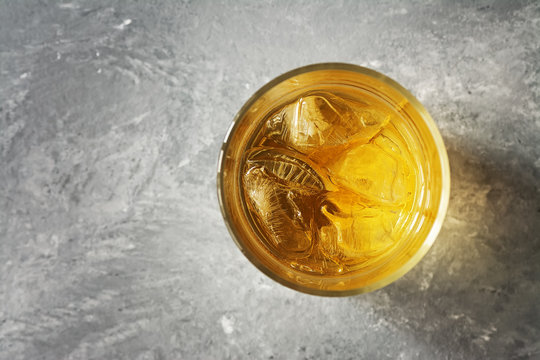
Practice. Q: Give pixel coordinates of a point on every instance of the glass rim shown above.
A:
(436, 137)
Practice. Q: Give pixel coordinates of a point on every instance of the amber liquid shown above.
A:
(328, 181)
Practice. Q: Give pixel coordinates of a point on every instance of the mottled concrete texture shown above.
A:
(112, 245)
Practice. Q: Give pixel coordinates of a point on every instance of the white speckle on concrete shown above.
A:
(68, 6)
(183, 162)
(123, 25)
(374, 64)
(227, 324)
(426, 281)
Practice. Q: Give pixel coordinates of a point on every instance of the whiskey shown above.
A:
(326, 179)
(333, 180)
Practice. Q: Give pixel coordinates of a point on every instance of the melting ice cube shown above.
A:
(354, 232)
(326, 120)
(286, 169)
(373, 170)
(281, 191)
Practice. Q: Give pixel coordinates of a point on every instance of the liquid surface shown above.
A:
(327, 180)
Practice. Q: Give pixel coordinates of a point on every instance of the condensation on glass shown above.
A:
(333, 180)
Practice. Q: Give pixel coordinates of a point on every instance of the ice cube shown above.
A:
(374, 170)
(324, 119)
(354, 232)
(286, 169)
(281, 191)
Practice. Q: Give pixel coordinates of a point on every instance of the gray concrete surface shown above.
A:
(112, 245)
